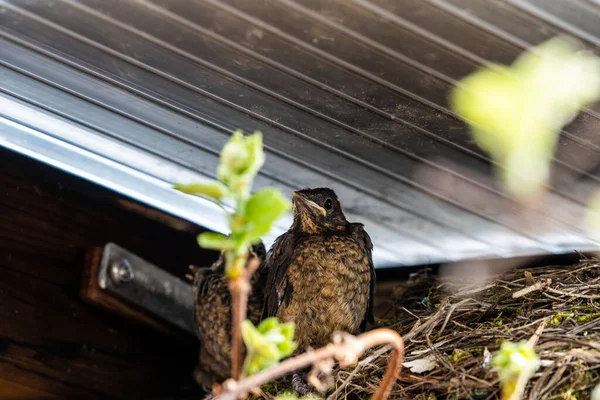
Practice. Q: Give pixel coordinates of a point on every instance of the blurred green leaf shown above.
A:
(515, 363)
(286, 396)
(266, 344)
(262, 210)
(214, 241)
(215, 190)
(266, 325)
(514, 359)
(241, 159)
(287, 330)
(516, 113)
(292, 396)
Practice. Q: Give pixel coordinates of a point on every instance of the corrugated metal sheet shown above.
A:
(349, 94)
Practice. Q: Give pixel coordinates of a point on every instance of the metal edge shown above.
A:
(144, 186)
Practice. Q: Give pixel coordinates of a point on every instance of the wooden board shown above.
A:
(54, 345)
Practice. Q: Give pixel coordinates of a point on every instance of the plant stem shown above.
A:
(346, 351)
(239, 288)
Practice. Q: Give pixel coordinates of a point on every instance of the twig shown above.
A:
(538, 332)
(360, 365)
(429, 322)
(239, 288)
(470, 291)
(445, 363)
(530, 289)
(529, 278)
(571, 294)
(345, 349)
(450, 312)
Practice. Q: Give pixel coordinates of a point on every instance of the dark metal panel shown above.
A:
(577, 17)
(501, 19)
(444, 28)
(349, 94)
(124, 128)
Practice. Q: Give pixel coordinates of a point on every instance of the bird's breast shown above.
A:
(330, 279)
(330, 253)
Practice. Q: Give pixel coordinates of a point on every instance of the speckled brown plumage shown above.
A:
(320, 272)
(212, 314)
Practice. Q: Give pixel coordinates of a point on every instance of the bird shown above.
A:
(212, 316)
(320, 273)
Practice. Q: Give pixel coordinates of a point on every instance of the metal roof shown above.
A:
(350, 94)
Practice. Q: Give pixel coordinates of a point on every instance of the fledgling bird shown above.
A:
(212, 316)
(320, 272)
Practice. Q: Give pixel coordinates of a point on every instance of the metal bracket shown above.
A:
(149, 288)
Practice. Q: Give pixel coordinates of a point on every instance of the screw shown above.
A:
(121, 271)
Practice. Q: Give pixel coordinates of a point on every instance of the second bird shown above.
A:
(212, 316)
(320, 272)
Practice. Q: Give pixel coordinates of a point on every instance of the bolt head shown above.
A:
(121, 271)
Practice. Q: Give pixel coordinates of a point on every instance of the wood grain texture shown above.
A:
(52, 344)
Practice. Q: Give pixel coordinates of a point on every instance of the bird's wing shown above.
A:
(364, 240)
(277, 263)
(200, 285)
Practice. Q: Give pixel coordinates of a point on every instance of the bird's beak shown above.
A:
(311, 205)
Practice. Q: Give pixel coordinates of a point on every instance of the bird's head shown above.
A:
(258, 250)
(317, 210)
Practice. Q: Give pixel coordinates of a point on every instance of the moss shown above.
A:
(498, 320)
(477, 352)
(459, 355)
(569, 395)
(587, 317)
(558, 318)
(590, 378)
(271, 388)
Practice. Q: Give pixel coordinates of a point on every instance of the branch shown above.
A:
(239, 288)
(345, 349)
(533, 288)
(538, 332)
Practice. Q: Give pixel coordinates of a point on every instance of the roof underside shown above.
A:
(349, 94)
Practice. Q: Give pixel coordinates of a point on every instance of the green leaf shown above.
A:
(286, 347)
(515, 359)
(267, 324)
(252, 338)
(215, 190)
(234, 154)
(287, 330)
(267, 344)
(262, 210)
(516, 112)
(515, 363)
(214, 241)
(241, 159)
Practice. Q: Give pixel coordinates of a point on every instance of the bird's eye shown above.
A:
(259, 251)
(328, 204)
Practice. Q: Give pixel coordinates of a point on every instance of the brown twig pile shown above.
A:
(451, 329)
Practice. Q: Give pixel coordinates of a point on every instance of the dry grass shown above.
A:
(457, 326)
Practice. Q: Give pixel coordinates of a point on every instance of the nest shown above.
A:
(451, 330)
